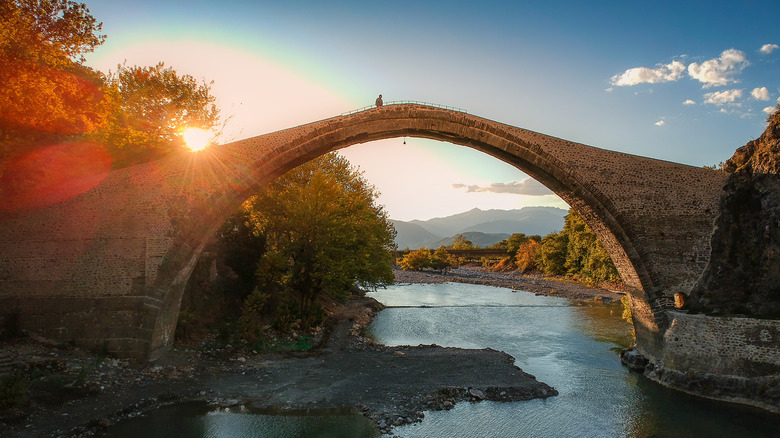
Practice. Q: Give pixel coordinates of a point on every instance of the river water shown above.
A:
(569, 346)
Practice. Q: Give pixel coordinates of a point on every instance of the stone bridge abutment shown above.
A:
(108, 266)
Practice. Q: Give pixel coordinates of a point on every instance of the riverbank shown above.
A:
(73, 393)
(535, 283)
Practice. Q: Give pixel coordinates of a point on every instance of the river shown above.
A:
(568, 346)
(571, 346)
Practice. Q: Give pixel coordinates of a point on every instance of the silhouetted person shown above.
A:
(379, 101)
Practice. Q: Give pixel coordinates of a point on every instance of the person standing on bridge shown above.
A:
(379, 101)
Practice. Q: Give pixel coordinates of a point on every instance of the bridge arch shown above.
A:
(654, 217)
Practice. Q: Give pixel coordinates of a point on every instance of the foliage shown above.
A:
(423, 258)
(575, 251)
(461, 242)
(506, 264)
(323, 233)
(441, 260)
(241, 247)
(527, 255)
(47, 94)
(552, 253)
(719, 167)
(150, 108)
(517, 240)
(416, 260)
(48, 31)
(49, 99)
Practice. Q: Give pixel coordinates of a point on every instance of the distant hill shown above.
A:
(529, 220)
(411, 235)
(480, 239)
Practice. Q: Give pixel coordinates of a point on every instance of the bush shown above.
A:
(416, 260)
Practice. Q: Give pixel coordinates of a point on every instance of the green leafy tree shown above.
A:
(585, 255)
(576, 251)
(552, 253)
(321, 220)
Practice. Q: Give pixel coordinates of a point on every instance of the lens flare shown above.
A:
(197, 139)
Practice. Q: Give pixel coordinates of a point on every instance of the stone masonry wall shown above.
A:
(109, 265)
(722, 345)
(734, 359)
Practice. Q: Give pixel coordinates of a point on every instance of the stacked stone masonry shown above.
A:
(744, 347)
(137, 234)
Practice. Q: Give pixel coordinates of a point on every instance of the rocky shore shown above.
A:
(75, 394)
(535, 283)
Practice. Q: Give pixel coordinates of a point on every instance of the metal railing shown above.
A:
(406, 102)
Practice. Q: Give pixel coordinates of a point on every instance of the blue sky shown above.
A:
(679, 81)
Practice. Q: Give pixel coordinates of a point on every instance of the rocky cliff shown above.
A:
(743, 276)
(762, 155)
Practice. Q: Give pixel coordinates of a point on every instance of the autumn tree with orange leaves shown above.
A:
(47, 93)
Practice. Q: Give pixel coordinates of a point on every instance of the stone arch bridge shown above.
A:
(108, 266)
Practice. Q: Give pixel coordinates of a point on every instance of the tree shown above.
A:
(552, 253)
(47, 94)
(576, 251)
(527, 255)
(515, 241)
(441, 260)
(322, 221)
(416, 260)
(151, 106)
(461, 242)
(49, 32)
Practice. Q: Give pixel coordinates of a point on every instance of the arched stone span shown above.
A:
(108, 267)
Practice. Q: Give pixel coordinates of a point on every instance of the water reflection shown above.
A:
(197, 420)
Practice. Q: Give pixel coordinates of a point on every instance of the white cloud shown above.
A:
(638, 75)
(528, 186)
(769, 48)
(723, 110)
(760, 93)
(719, 71)
(769, 109)
(722, 97)
(660, 123)
(689, 102)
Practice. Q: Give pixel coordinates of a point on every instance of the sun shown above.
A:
(196, 138)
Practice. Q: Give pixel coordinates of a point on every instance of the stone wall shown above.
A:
(727, 358)
(722, 345)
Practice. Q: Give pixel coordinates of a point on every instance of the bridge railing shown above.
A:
(406, 102)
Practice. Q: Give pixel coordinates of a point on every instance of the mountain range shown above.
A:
(482, 227)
